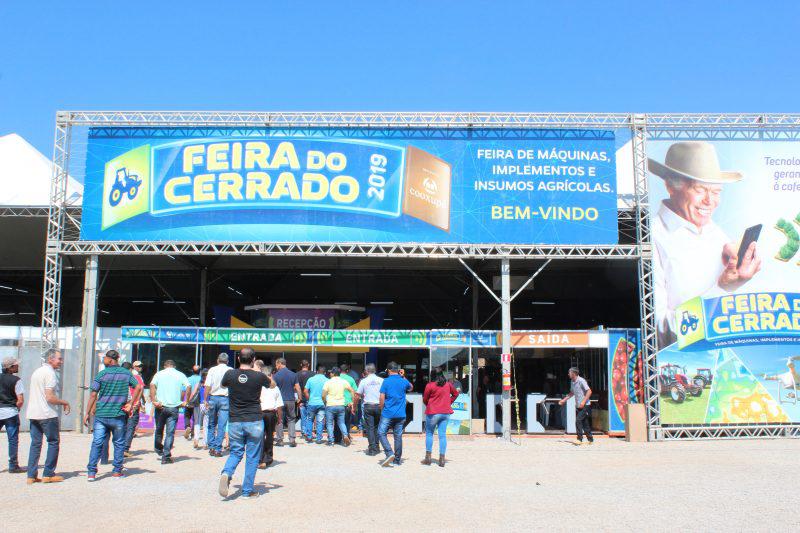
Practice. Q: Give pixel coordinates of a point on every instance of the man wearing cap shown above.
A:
(692, 255)
(133, 420)
(108, 402)
(12, 396)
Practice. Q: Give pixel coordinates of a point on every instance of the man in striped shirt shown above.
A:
(109, 404)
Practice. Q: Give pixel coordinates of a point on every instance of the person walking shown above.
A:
(217, 405)
(333, 394)
(369, 392)
(169, 390)
(271, 407)
(133, 420)
(315, 403)
(290, 391)
(44, 418)
(302, 378)
(200, 417)
(192, 402)
(349, 403)
(12, 397)
(583, 410)
(246, 426)
(111, 407)
(393, 413)
(438, 398)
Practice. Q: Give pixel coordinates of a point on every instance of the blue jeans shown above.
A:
(217, 420)
(316, 412)
(102, 426)
(166, 420)
(397, 428)
(246, 439)
(130, 429)
(12, 430)
(431, 423)
(49, 428)
(335, 412)
(304, 429)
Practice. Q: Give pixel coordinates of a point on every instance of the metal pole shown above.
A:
(88, 325)
(203, 296)
(505, 305)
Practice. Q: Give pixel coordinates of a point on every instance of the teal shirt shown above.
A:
(169, 384)
(314, 386)
(348, 397)
(112, 386)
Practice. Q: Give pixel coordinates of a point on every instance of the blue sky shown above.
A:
(410, 55)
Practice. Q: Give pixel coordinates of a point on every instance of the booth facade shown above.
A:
(504, 188)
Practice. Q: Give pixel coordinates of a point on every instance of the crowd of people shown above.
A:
(243, 411)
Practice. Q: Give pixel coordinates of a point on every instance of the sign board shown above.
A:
(550, 339)
(357, 185)
(725, 221)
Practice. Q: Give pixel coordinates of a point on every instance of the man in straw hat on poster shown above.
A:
(692, 255)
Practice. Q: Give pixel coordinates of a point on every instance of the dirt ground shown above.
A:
(487, 484)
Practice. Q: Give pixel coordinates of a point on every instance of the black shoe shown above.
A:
(397, 461)
(17, 470)
(160, 453)
(167, 461)
(293, 444)
(329, 443)
(279, 443)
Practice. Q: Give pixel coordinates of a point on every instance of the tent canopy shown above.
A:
(25, 175)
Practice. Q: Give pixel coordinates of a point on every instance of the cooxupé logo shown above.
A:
(242, 378)
(430, 186)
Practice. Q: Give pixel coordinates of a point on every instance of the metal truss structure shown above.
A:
(635, 241)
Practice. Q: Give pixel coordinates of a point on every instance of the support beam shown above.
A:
(203, 296)
(505, 304)
(88, 327)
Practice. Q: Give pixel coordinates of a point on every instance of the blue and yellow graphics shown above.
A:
(351, 185)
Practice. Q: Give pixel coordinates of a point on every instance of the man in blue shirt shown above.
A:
(393, 413)
(315, 404)
(290, 391)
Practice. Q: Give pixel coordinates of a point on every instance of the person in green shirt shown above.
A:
(333, 393)
(349, 404)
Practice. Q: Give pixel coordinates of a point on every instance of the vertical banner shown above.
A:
(725, 219)
(624, 375)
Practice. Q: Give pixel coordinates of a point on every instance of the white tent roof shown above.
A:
(25, 175)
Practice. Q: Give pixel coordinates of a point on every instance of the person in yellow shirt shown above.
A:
(333, 394)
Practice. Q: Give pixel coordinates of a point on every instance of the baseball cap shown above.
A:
(8, 362)
(137, 363)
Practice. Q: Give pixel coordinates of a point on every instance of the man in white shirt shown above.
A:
(692, 256)
(44, 418)
(271, 408)
(217, 405)
(369, 391)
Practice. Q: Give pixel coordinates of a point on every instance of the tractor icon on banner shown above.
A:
(125, 183)
(688, 321)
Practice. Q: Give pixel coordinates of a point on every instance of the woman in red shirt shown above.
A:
(438, 397)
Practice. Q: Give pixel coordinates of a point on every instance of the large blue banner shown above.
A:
(425, 186)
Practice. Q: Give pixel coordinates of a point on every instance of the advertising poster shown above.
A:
(459, 422)
(624, 375)
(413, 185)
(725, 217)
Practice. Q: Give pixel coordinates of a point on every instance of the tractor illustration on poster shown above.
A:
(125, 183)
(688, 322)
(673, 382)
(704, 375)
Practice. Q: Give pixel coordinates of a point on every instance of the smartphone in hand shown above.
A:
(750, 236)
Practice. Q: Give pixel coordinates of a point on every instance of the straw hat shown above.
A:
(694, 160)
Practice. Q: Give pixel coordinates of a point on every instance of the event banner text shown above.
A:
(368, 185)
